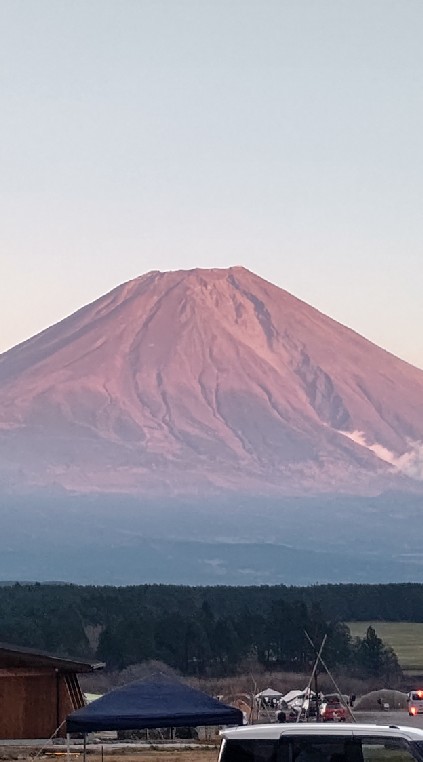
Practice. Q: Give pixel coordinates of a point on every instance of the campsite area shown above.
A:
(206, 752)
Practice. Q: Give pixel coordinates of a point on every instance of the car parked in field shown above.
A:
(415, 703)
(333, 711)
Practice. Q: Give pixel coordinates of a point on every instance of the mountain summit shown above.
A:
(207, 380)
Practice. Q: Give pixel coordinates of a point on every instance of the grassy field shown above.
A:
(406, 638)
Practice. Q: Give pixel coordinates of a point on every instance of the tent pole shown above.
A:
(68, 747)
(85, 747)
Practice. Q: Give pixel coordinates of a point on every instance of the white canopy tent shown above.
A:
(269, 693)
(268, 698)
(292, 696)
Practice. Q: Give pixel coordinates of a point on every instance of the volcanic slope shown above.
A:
(207, 380)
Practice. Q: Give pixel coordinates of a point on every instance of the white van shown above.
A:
(315, 742)
(415, 703)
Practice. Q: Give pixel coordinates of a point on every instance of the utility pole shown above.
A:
(316, 690)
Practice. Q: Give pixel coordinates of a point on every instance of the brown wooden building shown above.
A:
(37, 691)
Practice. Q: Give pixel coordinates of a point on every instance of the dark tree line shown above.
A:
(204, 644)
(200, 631)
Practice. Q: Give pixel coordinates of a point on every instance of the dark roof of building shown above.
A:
(19, 656)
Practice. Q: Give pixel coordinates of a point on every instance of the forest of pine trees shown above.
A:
(209, 631)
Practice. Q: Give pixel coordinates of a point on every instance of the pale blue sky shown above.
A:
(285, 136)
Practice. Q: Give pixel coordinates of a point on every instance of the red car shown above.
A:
(333, 711)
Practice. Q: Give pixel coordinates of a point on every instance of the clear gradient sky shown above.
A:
(283, 135)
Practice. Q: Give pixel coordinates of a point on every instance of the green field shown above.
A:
(406, 638)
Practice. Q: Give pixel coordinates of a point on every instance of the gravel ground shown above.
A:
(390, 718)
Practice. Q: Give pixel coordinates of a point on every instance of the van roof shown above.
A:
(276, 730)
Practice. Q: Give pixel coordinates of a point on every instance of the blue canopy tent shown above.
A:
(156, 702)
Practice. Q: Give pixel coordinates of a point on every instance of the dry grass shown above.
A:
(144, 755)
(253, 678)
(229, 687)
(188, 755)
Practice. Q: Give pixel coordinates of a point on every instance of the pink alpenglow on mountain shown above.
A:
(207, 381)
